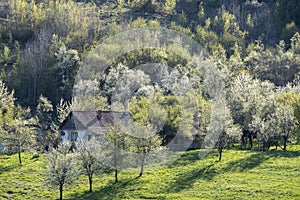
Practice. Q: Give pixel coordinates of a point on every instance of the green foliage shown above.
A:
(286, 12)
(276, 65)
(290, 98)
(138, 23)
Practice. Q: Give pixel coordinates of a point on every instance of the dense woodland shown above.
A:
(256, 45)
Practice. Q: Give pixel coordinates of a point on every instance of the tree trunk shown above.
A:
(19, 153)
(243, 141)
(91, 183)
(60, 192)
(284, 143)
(265, 146)
(220, 154)
(116, 176)
(142, 166)
(251, 141)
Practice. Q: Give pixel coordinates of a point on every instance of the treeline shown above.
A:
(42, 43)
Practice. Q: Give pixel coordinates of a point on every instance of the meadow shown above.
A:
(241, 175)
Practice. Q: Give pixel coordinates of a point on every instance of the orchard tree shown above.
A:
(92, 158)
(19, 135)
(247, 97)
(265, 128)
(222, 127)
(264, 121)
(286, 122)
(116, 147)
(290, 97)
(145, 143)
(61, 167)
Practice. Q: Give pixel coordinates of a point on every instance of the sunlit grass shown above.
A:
(241, 175)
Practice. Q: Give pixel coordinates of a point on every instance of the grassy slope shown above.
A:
(242, 175)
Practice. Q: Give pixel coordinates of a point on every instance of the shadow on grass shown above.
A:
(187, 158)
(7, 168)
(111, 191)
(186, 179)
(4, 169)
(254, 160)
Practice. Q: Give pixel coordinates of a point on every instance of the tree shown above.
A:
(266, 129)
(247, 98)
(286, 122)
(66, 68)
(264, 121)
(143, 141)
(62, 110)
(92, 158)
(19, 134)
(116, 147)
(6, 104)
(222, 127)
(127, 85)
(47, 132)
(61, 167)
(289, 97)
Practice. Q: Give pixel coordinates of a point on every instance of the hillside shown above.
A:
(32, 32)
(242, 175)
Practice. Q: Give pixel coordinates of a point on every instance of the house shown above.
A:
(80, 125)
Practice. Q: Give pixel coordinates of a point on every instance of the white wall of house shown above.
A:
(81, 134)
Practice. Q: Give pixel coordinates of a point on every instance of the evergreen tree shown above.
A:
(46, 132)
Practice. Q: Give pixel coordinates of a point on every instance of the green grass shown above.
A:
(241, 175)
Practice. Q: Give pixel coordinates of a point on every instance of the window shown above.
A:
(74, 136)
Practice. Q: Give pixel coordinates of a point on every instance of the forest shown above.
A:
(45, 45)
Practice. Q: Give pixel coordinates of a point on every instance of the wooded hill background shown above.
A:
(42, 42)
